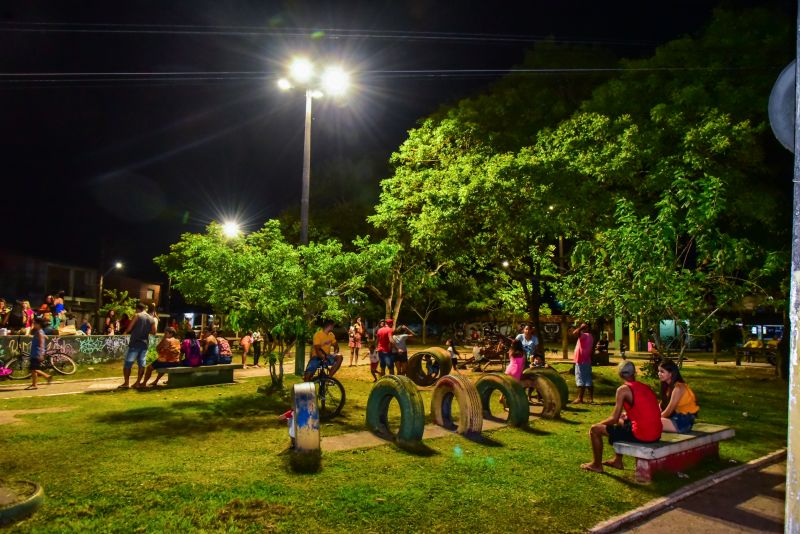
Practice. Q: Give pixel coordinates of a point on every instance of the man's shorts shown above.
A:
(386, 360)
(136, 355)
(683, 421)
(35, 363)
(316, 362)
(623, 432)
(401, 357)
(583, 374)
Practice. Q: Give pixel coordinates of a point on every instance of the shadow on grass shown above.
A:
(531, 430)
(486, 441)
(244, 413)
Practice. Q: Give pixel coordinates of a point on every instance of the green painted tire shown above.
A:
(32, 497)
(549, 396)
(470, 409)
(554, 377)
(512, 390)
(427, 366)
(412, 409)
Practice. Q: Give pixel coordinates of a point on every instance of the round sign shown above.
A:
(781, 106)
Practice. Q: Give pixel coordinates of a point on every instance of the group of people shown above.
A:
(20, 317)
(211, 349)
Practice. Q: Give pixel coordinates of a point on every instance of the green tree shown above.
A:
(262, 281)
(119, 302)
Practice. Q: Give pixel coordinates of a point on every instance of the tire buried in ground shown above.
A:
(470, 420)
(412, 410)
(554, 377)
(307, 452)
(512, 390)
(427, 366)
(549, 398)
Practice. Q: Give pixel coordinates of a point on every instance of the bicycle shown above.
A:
(330, 392)
(55, 359)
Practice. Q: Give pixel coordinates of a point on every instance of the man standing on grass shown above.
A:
(140, 330)
(640, 424)
(583, 362)
(385, 344)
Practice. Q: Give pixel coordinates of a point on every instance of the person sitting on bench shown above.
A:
(678, 402)
(169, 355)
(641, 423)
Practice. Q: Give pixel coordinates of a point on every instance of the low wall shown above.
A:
(82, 349)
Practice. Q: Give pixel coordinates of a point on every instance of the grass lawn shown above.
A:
(207, 459)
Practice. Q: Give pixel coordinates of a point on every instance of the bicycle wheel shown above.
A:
(62, 363)
(20, 368)
(330, 397)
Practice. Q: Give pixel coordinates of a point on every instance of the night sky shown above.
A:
(122, 156)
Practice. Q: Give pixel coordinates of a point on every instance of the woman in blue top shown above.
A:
(37, 353)
(530, 343)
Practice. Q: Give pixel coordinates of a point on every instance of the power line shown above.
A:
(313, 33)
(260, 76)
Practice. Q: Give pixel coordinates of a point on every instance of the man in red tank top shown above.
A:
(641, 422)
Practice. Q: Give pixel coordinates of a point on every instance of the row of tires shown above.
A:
(473, 402)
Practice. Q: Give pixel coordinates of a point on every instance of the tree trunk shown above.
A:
(424, 331)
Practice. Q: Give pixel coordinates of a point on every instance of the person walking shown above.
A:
(583, 363)
(38, 344)
(401, 335)
(141, 328)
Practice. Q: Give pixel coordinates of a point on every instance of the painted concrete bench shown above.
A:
(181, 377)
(675, 452)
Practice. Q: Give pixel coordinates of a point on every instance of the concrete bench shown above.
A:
(181, 377)
(675, 452)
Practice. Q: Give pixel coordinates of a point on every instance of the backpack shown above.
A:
(224, 347)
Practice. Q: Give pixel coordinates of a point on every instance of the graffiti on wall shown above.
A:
(82, 349)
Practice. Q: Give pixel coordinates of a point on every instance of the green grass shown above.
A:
(207, 459)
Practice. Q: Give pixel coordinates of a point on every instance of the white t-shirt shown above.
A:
(400, 342)
(528, 345)
(373, 356)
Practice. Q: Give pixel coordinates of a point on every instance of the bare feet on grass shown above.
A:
(616, 464)
(590, 466)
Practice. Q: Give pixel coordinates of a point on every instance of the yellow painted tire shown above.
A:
(470, 410)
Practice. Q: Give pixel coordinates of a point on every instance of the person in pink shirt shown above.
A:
(583, 363)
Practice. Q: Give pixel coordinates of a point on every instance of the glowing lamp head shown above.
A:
(335, 81)
(505, 263)
(301, 70)
(118, 265)
(284, 84)
(230, 229)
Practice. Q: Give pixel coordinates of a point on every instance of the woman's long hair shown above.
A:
(666, 388)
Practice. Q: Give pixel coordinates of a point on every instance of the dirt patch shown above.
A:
(9, 417)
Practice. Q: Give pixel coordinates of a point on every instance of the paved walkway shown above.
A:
(748, 498)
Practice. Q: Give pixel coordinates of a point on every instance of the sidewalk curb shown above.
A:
(661, 503)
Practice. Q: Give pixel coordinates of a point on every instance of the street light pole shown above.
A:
(306, 173)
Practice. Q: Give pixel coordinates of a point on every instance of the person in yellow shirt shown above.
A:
(325, 348)
(678, 403)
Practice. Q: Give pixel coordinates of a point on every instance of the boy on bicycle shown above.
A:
(325, 348)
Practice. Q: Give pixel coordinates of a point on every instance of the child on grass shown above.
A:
(288, 416)
(373, 361)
